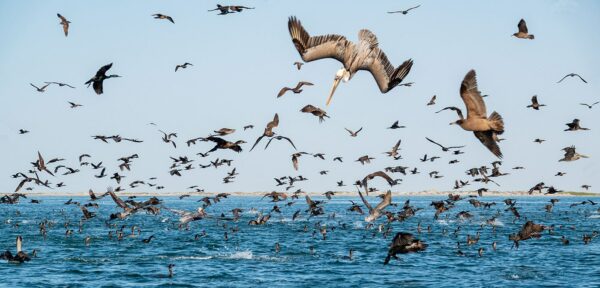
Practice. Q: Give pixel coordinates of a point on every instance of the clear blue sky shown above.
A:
(242, 60)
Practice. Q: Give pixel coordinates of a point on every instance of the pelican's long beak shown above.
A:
(336, 82)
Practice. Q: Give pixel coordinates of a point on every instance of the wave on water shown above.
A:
(496, 222)
(594, 216)
(247, 255)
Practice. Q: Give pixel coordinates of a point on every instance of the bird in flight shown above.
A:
(60, 84)
(396, 126)
(445, 149)
(404, 12)
(353, 134)
(485, 128)
(183, 66)
(572, 75)
(364, 55)
(268, 130)
(40, 89)
(298, 65)
(296, 90)
(98, 79)
(162, 16)
(523, 32)
(534, 103)
(74, 105)
(432, 101)
(315, 111)
(588, 105)
(65, 23)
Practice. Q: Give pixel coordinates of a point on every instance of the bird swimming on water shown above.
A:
(364, 55)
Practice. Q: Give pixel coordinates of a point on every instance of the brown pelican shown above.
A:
(404, 243)
(99, 78)
(315, 111)
(376, 212)
(365, 55)
(65, 23)
(571, 155)
(404, 12)
(523, 33)
(572, 75)
(485, 128)
(161, 16)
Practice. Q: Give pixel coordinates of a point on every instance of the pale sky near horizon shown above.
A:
(242, 60)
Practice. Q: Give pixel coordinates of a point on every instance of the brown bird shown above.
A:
(432, 101)
(485, 128)
(315, 111)
(268, 130)
(364, 55)
(571, 155)
(534, 103)
(381, 174)
(65, 24)
(528, 231)
(161, 16)
(298, 65)
(296, 89)
(224, 144)
(353, 134)
(523, 32)
(376, 212)
(404, 243)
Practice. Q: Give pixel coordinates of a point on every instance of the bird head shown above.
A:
(240, 142)
(340, 75)
(457, 122)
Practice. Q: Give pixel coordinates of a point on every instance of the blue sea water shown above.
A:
(248, 257)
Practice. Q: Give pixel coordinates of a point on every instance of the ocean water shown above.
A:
(248, 257)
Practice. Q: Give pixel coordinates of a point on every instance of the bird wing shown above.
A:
(117, 200)
(282, 91)
(273, 123)
(438, 144)
(98, 87)
(386, 76)
(257, 140)
(472, 96)
(302, 83)
(397, 145)
(534, 100)
(103, 70)
(309, 109)
(295, 162)
(365, 201)
(317, 47)
(289, 140)
(581, 78)
(457, 110)
(386, 201)
(170, 19)
(563, 78)
(487, 139)
(522, 26)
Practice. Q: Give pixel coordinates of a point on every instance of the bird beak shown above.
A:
(452, 123)
(336, 82)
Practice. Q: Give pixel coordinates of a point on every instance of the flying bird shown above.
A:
(364, 55)
(268, 130)
(74, 105)
(404, 12)
(315, 111)
(432, 101)
(572, 75)
(523, 32)
(40, 89)
(162, 16)
(353, 134)
(381, 174)
(298, 65)
(534, 103)
(60, 84)
(590, 106)
(445, 149)
(65, 23)
(485, 128)
(183, 66)
(296, 89)
(396, 126)
(98, 80)
(376, 212)
(571, 155)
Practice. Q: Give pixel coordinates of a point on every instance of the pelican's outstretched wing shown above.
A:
(382, 70)
(472, 96)
(318, 47)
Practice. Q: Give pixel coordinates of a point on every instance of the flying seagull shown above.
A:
(364, 55)
(404, 12)
(572, 75)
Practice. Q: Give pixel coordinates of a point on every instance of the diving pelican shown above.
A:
(364, 55)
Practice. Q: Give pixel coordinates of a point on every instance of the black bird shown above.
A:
(404, 12)
(588, 105)
(161, 16)
(183, 66)
(572, 75)
(396, 126)
(98, 80)
(74, 105)
(445, 149)
(404, 243)
(534, 103)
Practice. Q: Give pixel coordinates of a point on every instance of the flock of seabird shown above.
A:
(364, 54)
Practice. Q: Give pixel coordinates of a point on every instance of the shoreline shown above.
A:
(337, 193)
